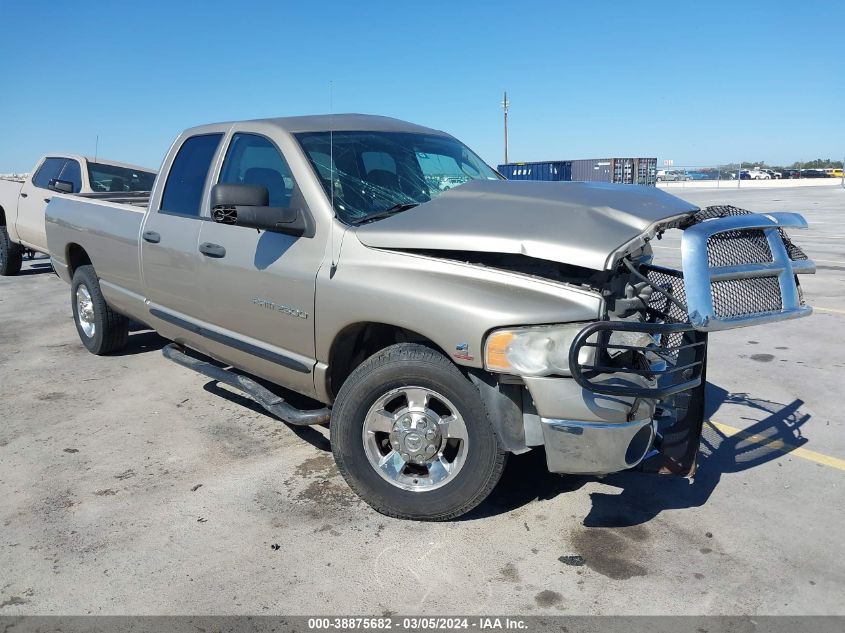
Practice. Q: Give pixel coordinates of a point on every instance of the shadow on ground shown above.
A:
(306, 433)
(36, 269)
(141, 342)
(642, 497)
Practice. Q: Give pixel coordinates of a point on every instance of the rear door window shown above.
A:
(48, 171)
(186, 180)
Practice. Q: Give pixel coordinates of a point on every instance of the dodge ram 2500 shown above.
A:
(22, 204)
(442, 327)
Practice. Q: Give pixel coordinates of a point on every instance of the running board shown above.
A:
(263, 396)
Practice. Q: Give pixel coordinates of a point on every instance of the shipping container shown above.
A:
(554, 170)
(592, 170)
(629, 171)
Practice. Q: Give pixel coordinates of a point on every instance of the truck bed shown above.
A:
(134, 198)
(109, 232)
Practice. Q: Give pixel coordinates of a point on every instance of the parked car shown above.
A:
(743, 175)
(664, 175)
(22, 204)
(702, 175)
(758, 174)
(791, 173)
(813, 173)
(440, 330)
(775, 175)
(833, 172)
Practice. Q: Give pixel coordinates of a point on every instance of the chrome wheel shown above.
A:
(415, 438)
(85, 311)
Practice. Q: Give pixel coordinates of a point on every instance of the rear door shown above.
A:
(34, 197)
(169, 237)
(259, 285)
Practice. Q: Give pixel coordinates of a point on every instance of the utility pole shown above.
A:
(505, 105)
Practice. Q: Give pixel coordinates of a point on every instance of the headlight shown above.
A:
(534, 351)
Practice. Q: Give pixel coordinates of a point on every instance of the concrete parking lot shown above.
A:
(132, 485)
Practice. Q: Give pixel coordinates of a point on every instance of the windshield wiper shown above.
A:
(396, 208)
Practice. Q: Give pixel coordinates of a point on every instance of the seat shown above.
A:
(117, 184)
(273, 181)
(384, 178)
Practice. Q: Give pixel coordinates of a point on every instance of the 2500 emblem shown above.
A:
(278, 307)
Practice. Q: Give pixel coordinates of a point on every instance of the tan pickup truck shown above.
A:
(439, 328)
(22, 204)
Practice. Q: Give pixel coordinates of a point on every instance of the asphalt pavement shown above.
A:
(132, 485)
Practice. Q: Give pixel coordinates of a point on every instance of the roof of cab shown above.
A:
(343, 123)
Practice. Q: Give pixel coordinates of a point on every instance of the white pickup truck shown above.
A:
(22, 204)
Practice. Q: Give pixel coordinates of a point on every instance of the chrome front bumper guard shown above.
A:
(699, 276)
(604, 443)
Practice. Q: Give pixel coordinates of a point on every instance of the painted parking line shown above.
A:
(833, 310)
(778, 445)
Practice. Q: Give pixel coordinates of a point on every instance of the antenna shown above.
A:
(331, 174)
(505, 105)
(331, 142)
(96, 146)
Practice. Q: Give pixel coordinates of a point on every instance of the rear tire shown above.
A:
(101, 329)
(11, 254)
(380, 394)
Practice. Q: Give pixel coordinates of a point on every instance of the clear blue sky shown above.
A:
(698, 82)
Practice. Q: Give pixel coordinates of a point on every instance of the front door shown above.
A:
(259, 285)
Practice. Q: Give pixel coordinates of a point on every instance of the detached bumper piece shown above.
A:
(741, 268)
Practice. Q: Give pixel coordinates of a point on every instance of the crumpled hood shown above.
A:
(577, 223)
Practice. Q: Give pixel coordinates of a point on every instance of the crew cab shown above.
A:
(22, 204)
(439, 330)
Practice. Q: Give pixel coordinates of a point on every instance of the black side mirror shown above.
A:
(247, 205)
(61, 186)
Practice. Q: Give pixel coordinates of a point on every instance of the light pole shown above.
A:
(505, 105)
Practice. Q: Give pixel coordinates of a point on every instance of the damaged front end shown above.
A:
(738, 269)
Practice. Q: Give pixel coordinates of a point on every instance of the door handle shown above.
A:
(152, 237)
(212, 250)
(24, 195)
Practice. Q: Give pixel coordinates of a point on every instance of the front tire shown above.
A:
(101, 329)
(11, 254)
(411, 437)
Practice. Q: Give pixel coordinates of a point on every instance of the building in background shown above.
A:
(628, 171)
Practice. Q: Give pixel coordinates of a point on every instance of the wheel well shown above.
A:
(76, 257)
(2, 217)
(357, 342)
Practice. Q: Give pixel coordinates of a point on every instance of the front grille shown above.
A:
(739, 269)
(744, 297)
(752, 243)
(733, 248)
(660, 308)
(671, 282)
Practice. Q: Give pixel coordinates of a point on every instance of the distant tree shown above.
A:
(819, 163)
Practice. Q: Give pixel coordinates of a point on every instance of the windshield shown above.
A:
(104, 177)
(374, 173)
